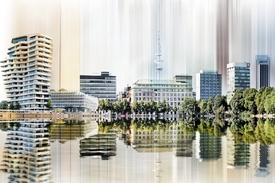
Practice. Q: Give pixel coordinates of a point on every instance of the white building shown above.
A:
(238, 78)
(173, 91)
(27, 70)
(64, 98)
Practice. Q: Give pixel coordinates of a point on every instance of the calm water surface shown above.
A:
(136, 151)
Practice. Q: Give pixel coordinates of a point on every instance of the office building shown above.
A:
(173, 91)
(238, 78)
(77, 101)
(101, 86)
(208, 84)
(27, 71)
(262, 71)
(27, 156)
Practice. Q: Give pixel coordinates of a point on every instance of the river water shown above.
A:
(135, 151)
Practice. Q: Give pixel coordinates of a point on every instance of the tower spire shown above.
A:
(158, 61)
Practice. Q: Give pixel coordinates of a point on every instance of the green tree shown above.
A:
(101, 105)
(163, 106)
(258, 100)
(249, 98)
(175, 109)
(269, 102)
(141, 106)
(108, 105)
(203, 106)
(237, 102)
(136, 107)
(167, 107)
(210, 105)
(11, 106)
(158, 107)
(119, 107)
(188, 105)
(17, 106)
(49, 104)
(126, 108)
(5, 106)
(151, 106)
(219, 101)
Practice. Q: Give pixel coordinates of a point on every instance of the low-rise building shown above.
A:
(173, 91)
(75, 100)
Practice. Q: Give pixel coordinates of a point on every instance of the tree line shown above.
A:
(11, 106)
(262, 101)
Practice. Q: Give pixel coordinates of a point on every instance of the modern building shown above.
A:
(101, 86)
(101, 144)
(75, 100)
(238, 78)
(262, 71)
(208, 147)
(173, 91)
(172, 139)
(208, 84)
(27, 70)
(27, 156)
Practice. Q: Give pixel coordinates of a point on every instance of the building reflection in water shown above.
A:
(208, 147)
(99, 145)
(238, 153)
(27, 156)
(262, 160)
(172, 139)
(72, 129)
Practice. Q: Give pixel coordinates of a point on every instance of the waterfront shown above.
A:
(171, 153)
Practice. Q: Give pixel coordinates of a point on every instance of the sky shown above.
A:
(120, 36)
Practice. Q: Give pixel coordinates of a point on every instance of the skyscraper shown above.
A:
(238, 78)
(262, 71)
(208, 84)
(27, 70)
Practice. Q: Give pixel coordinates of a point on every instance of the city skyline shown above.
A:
(92, 36)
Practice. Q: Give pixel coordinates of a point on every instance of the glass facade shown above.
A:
(262, 71)
(101, 86)
(209, 84)
(76, 100)
(238, 78)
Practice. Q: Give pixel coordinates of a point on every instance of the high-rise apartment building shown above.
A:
(262, 71)
(27, 70)
(238, 78)
(208, 84)
(101, 86)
